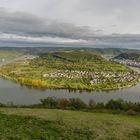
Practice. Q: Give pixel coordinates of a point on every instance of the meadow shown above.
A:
(53, 124)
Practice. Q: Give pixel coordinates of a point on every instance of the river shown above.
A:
(11, 92)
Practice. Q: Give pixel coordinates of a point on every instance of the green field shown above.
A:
(74, 69)
(47, 124)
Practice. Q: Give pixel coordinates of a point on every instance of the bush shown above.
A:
(100, 106)
(92, 104)
(116, 104)
(137, 107)
(76, 104)
(131, 112)
(134, 106)
(63, 103)
(49, 102)
(136, 133)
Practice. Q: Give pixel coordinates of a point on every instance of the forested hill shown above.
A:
(130, 56)
(73, 56)
(76, 60)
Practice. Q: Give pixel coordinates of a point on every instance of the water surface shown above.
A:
(11, 92)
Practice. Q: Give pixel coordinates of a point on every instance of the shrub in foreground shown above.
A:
(73, 104)
(49, 102)
(63, 103)
(112, 106)
(77, 104)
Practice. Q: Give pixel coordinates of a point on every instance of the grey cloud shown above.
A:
(94, 13)
(107, 6)
(116, 39)
(30, 25)
(23, 24)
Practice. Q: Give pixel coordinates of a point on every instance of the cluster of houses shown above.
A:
(128, 62)
(95, 77)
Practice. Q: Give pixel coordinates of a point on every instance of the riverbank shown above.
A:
(42, 84)
(14, 93)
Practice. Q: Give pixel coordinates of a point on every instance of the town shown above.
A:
(95, 77)
(128, 62)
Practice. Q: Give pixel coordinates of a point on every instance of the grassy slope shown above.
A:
(53, 124)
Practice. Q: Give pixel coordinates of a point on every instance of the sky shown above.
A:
(70, 21)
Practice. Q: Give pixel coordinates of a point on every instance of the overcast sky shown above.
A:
(70, 21)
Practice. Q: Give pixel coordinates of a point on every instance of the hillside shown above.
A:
(76, 60)
(5, 54)
(44, 124)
